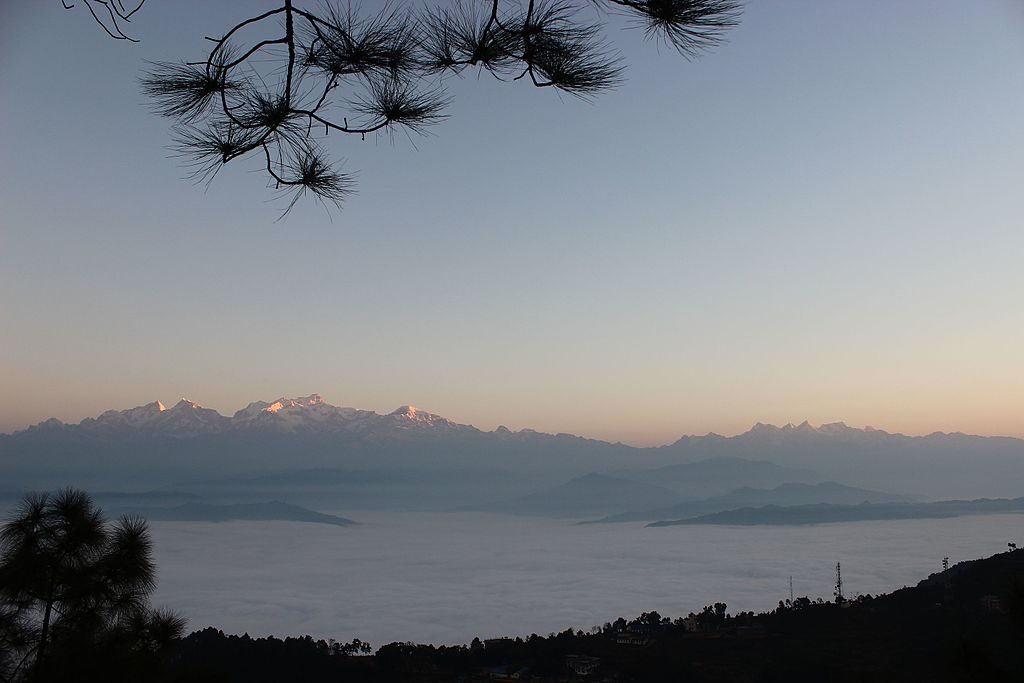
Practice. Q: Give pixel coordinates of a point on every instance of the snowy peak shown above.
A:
(285, 403)
(150, 409)
(183, 404)
(805, 427)
(302, 414)
(410, 412)
(411, 416)
(762, 428)
(281, 405)
(839, 428)
(133, 417)
(251, 410)
(186, 418)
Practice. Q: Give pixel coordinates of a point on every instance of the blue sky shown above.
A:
(822, 220)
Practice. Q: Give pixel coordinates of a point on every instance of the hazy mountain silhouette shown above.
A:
(828, 492)
(716, 475)
(587, 495)
(825, 513)
(937, 465)
(207, 512)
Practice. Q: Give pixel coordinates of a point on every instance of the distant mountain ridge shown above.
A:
(307, 413)
(187, 418)
(590, 494)
(689, 479)
(788, 494)
(155, 446)
(819, 513)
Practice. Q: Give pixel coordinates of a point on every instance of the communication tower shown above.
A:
(947, 584)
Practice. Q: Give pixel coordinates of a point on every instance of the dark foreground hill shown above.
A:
(964, 624)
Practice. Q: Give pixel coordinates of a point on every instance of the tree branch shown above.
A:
(283, 104)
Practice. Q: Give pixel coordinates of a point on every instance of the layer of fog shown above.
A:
(447, 577)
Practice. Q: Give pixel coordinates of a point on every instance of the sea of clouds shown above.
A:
(447, 577)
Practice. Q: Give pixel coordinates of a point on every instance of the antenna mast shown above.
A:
(791, 589)
(839, 583)
(947, 584)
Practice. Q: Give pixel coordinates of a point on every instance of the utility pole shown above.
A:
(947, 583)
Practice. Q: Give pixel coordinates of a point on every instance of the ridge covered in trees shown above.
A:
(966, 623)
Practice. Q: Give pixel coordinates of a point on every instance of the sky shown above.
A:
(821, 220)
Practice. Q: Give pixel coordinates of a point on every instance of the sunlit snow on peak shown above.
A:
(183, 403)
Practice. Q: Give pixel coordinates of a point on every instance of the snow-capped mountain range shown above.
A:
(311, 414)
(303, 414)
(154, 445)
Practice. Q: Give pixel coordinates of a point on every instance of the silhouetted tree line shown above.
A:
(928, 632)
